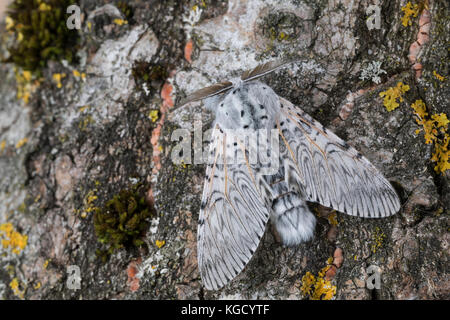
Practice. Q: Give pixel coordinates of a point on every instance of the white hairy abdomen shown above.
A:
(293, 220)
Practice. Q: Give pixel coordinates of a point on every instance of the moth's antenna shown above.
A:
(207, 92)
(263, 69)
(222, 87)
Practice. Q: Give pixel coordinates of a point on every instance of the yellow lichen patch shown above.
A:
(57, 77)
(2, 146)
(26, 75)
(120, 22)
(21, 143)
(441, 155)
(11, 239)
(420, 109)
(9, 23)
(377, 240)
(330, 260)
(89, 200)
(409, 10)
(153, 115)
(435, 132)
(392, 94)
(332, 219)
(160, 243)
(15, 287)
(44, 7)
(85, 122)
(438, 76)
(317, 287)
(283, 36)
(78, 74)
(25, 86)
(83, 108)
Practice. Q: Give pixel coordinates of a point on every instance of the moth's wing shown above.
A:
(263, 69)
(207, 92)
(328, 171)
(233, 213)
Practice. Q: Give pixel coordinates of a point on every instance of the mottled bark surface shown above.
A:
(91, 138)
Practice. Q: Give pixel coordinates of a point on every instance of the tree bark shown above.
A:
(91, 138)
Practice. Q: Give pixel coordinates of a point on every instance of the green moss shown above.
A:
(122, 222)
(281, 26)
(126, 9)
(151, 74)
(40, 33)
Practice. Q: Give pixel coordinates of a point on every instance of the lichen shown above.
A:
(25, 85)
(409, 10)
(332, 219)
(438, 76)
(122, 222)
(120, 22)
(435, 132)
(150, 76)
(160, 243)
(15, 287)
(126, 9)
(57, 77)
(191, 19)
(11, 239)
(378, 238)
(318, 287)
(153, 115)
(281, 26)
(40, 33)
(85, 122)
(392, 94)
(78, 74)
(21, 143)
(89, 201)
(372, 72)
(2, 145)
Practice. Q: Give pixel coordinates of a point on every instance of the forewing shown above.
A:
(233, 213)
(328, 171)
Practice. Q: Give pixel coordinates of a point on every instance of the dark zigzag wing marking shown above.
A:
(232, 216)
(336, 175)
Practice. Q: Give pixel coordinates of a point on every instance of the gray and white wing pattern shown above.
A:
(325, 169)
(233, 212)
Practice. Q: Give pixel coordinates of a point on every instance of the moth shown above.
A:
(239, 198)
